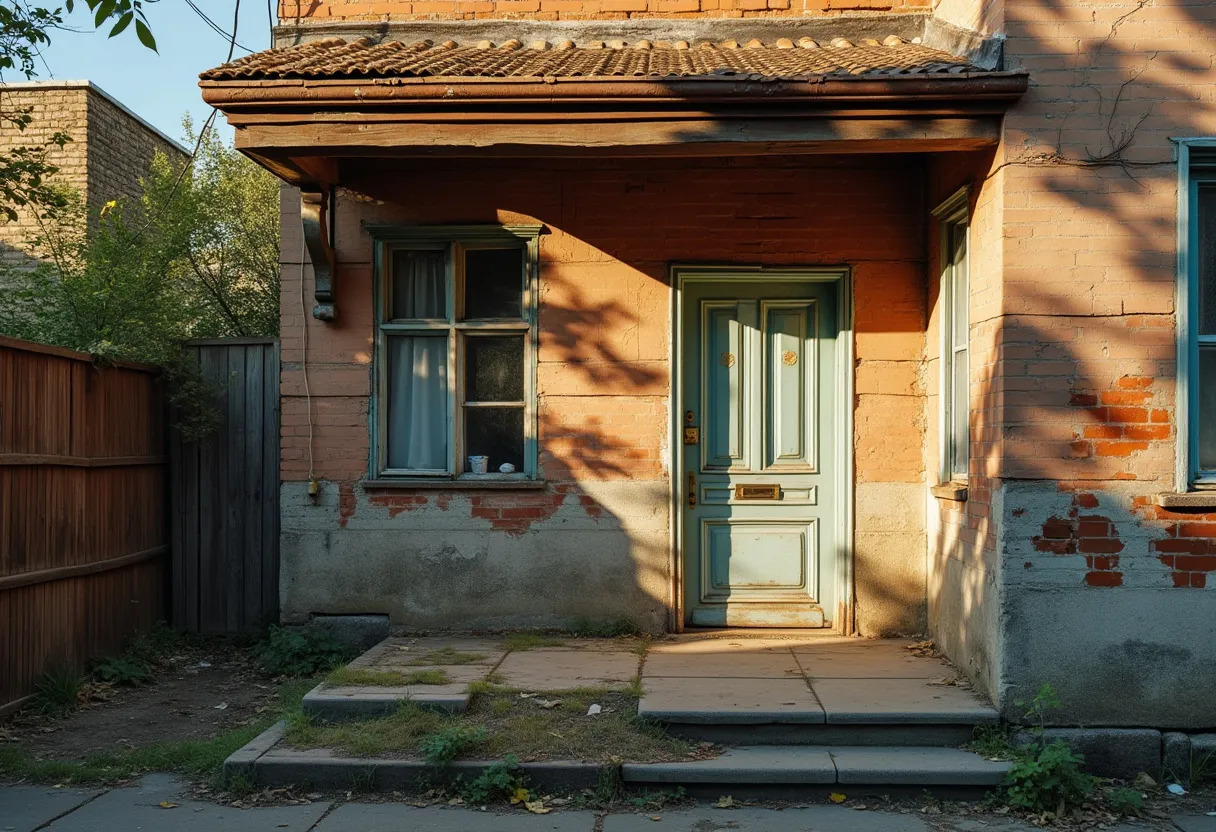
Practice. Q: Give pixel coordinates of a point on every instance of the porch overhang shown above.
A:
(300, 111)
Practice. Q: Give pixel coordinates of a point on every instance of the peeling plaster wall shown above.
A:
(1098, 604)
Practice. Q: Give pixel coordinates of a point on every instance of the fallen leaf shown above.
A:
(526, 695)
(656, 818)
(726, 802)
(223, 706)
(548, 704)
(164, 804)
(837, 797)
(521, 795)
(536, 807)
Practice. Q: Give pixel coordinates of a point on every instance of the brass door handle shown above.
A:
(692, 491)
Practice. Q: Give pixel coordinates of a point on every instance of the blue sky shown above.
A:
(160, 87)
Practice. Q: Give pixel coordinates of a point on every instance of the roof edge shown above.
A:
(92, 86)
(850, 27)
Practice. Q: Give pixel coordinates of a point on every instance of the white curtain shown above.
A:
(418, 402)
(418, 285)
(418, 367)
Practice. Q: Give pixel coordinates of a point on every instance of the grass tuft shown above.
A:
(504, 724)
(363, 677)
(530, 640)
(445, 656)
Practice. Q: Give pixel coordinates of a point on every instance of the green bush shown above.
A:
(299, 651)
(57, 691)
(450, 742)
(1046, 777)
(1125, 801)
(122, 671)
(498, 782)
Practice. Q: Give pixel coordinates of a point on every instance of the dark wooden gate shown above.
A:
(225, 521)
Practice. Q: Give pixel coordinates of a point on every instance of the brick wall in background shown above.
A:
(110, 149)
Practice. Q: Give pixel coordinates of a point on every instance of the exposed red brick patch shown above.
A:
(346, 503)
(398, 503)
(1189, 548)
(1092, 535)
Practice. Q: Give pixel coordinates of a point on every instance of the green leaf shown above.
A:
(71, 5)
(145, 35)
(104, 10)
(123, 22)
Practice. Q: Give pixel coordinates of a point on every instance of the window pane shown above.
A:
(419, 284)
(418, 402)
(1207, 407)
(495, 432)
(494, 368)
(1207, 259)
(960, 411)
(493, 283)
(958, 234)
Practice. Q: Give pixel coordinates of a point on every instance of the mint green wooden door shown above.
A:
(758, 376)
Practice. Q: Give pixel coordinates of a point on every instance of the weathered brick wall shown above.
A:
(294, 11)
(597, 540)
(1105, 596)
(54, 109)
(109, 153)
(120, 151)
(964, 569)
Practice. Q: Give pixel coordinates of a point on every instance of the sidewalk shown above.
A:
(140, 809)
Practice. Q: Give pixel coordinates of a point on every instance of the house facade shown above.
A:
(886, 317)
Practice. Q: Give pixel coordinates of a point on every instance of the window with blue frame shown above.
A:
(1197, 319)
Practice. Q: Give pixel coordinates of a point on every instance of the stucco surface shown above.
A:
(443, 568)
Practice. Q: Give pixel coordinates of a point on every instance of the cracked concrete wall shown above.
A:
(1093, 605)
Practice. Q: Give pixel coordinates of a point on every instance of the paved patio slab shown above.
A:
(559, 668)
(401, 653)
(728, 701)
(807, 819)
(899, 701)
(870, 662)
(388, 817)
(24, 808)
(769, 665)
(138, 810)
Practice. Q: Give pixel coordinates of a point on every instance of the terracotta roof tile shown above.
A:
(785, 58)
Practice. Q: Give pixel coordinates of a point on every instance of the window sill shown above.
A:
(955, 492)
(443, 483)
(1205, 498)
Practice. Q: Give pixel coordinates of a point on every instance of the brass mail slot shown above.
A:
(758, 492)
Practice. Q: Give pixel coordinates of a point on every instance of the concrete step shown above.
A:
(788, 734)
(330, 703)
(848, 769)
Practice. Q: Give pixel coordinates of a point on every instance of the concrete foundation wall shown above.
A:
(596, 541)
(1097, 605)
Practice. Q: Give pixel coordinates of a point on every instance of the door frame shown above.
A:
(682, 274)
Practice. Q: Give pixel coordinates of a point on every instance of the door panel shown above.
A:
(758, 369)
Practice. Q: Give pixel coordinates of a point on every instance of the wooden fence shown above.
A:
(225, 525)
(83, 500)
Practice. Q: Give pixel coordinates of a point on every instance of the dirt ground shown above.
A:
(198, 692)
